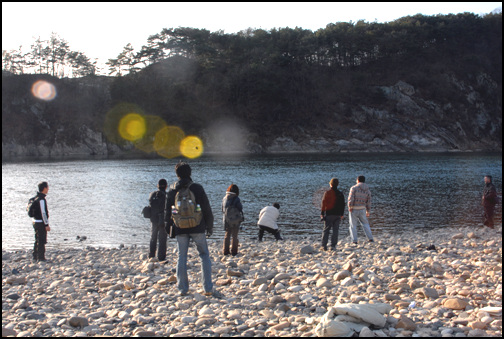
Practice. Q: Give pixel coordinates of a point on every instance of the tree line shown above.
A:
(52, 56)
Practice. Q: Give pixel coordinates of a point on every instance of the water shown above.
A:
(102, 200)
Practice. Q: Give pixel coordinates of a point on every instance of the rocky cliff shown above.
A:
(406, 119)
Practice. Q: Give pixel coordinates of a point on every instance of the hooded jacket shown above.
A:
(360, 197)
(201, 198)
(231, 198)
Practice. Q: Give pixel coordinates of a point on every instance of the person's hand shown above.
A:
(350, 210)
(367, 214)
(342, 217)
(322, 218)
(48, 228)
(209, 233)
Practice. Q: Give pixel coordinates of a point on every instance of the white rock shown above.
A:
(364, 312)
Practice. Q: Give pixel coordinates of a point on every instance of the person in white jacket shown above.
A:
(268, 221)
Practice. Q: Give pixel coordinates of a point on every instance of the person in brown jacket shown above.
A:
(489, 200)
(332, 210)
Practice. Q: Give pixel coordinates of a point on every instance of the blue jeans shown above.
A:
(359, 216)
(206, 271)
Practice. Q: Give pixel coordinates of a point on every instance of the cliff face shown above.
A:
(405, 119)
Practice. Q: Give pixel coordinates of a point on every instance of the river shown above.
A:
(102, 199)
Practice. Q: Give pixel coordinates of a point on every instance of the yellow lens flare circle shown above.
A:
(167, 141)
(132, 127)
(191, 147)
(43, 90)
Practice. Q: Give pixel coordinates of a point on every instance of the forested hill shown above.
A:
(420, 83)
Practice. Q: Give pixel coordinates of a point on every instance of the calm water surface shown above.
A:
(102, 199)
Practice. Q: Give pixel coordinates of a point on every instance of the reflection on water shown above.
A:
(103, 199)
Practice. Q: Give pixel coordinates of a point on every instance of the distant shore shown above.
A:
(143, 156)
(444, 282)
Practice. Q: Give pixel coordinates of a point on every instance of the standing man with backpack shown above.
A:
(37, 209)
(188, 211)
(333, 208)
(232, 210)
(157, 200)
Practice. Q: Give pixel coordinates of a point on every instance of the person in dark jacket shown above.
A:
(41, 222)
(489, 200)
(157, 200)
(231, 199)
(332, 211)
(197, 234)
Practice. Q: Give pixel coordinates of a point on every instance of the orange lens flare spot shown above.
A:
(191, 147)
(132, 127)
(43, 90)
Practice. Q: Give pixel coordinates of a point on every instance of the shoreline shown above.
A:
(218, 155)
(269, 289)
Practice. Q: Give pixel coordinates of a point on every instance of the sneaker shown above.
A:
(355, 242)
(215, 294)
(183, 294)
(371, 240)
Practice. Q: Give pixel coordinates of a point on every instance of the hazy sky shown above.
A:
(101, 29)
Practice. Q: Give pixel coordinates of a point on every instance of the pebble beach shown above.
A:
(425, 283)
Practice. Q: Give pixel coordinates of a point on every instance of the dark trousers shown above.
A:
(488, 216)
(276, 233)
(332, 222)
(158, 232)
(231, 234)
(40, 241)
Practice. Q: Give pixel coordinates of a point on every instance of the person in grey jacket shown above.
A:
(359, 207)
(231, 199)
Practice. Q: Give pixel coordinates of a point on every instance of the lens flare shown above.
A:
(43, 90)
(167, 141)
(113, 119)
(132, 127)
(153, 124)
(191, 147)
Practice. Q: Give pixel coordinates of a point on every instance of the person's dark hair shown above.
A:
(233, 188)
(42, 185)
(334, 182)
(361, 178)
(489, 177)
(183, 170)
(277, 205)
(162, 184)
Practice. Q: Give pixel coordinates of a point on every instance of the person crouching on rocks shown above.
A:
(232, 216)
(268, 221)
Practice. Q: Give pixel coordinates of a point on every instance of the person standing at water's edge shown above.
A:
(188, 229)
(268, 221)
(41, 222)
(232, 210)
(157, 200)
(489, 200)
(332, 210)
(359, 207)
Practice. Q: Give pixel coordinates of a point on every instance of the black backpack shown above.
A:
(157, 205)
(30, 208)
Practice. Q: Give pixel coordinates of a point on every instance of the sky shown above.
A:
(102, 29)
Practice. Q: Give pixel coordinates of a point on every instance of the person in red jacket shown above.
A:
(333, 208)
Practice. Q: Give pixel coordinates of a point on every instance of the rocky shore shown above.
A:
(445, 282)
